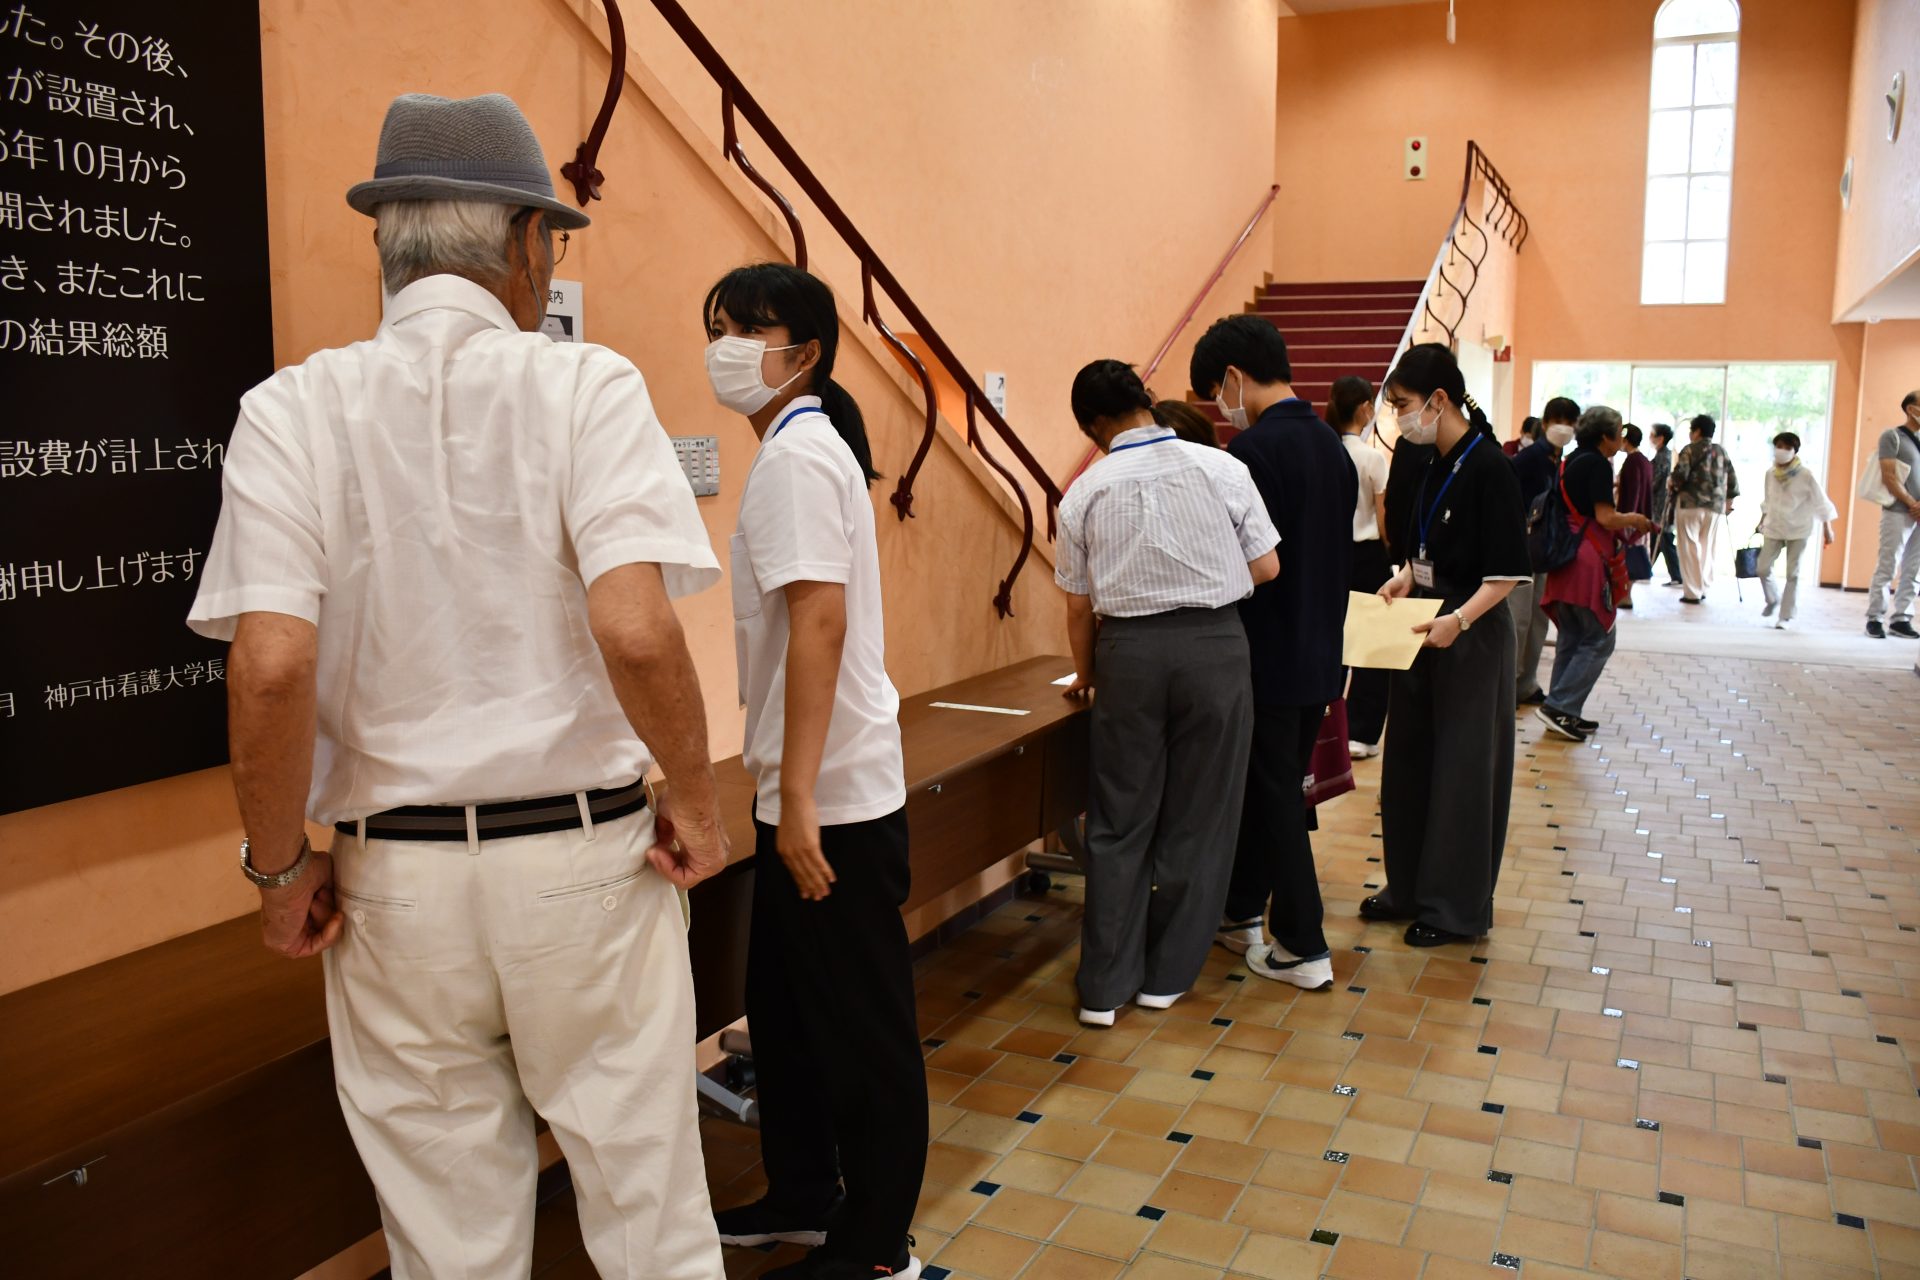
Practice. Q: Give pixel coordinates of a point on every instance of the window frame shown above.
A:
(1693, 110)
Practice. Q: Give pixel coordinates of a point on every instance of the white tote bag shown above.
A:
(1873, 489)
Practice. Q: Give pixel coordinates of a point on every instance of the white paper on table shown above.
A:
(966, 706)
(1379, 634)
(1065, 680)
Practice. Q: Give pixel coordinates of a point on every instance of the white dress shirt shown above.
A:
(806, 516)
(436, 500)
(1794, 506)
(1370, 465)
(1160, 524)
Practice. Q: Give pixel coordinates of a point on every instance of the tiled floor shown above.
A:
(1683, 1051)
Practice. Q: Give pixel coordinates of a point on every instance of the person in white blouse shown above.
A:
(836, 1045)
(1794, 504)
(1159, 541)
(444, 558)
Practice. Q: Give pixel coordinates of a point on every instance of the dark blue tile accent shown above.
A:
(1358, 991)
(1847, 992)
(984, 1188)
(1364, 950)
(933, 1042)
(1369, 886)
(1353, 1035)
(1811, 1144)
(1068, 1058)
(1586, 933)
(1223, 1022)
(1033, 918)
(1851, 1220)
(935, 1273)
(1489, 1049)
(971, 995)
(1179, 1137)
(1775, 1078)
(1578, 902)
(1347, 1090)
(1642, 1123)
(1748, 1026)
(1500, 1176)
(1482, 1000)
(1029, 1117)
(1672, 1197)
(1334, 1157)
(1324, 1237)
(1236, 977)
(1506, 1261)
(1477, 959)
(1886, 1040)
(1151, 1214)
(1203, 1075)
(1494, 1108)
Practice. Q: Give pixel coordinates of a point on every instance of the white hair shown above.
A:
(420, 238)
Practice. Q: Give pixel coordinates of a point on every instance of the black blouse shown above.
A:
(1475, 529)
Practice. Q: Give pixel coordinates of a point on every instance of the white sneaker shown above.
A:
(1270, 960)
(1238, 936)
(1146, 1001)
(1096, 1017)
(1362, 750)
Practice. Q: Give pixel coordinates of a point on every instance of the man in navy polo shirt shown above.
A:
(1294, 629)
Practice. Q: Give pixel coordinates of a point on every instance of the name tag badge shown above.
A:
(1423, 573)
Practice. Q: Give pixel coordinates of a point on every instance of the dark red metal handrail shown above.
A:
(734, 96)
(1506, 221)
(583, 170)
(1186, 317)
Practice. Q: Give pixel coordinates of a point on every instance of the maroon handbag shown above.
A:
(1330, 772)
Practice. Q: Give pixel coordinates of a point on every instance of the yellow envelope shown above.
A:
(1380, 635)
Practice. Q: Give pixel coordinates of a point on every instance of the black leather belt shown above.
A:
(499, 821)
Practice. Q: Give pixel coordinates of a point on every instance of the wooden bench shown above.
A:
(172, 1112)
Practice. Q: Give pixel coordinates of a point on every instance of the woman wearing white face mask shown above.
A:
(1793, 504)
(830, 1003)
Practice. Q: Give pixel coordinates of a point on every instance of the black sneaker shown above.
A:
(1561, 723)
(764, 1223)
(1534, 699)
(819, 1265)
(1875, 630)
(1903, 628)
(1586, 726)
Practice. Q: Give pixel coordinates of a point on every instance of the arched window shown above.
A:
(1696, 53)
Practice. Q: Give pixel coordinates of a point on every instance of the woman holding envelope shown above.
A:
(1447, 777)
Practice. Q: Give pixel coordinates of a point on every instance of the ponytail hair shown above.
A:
(1344, 399)
(1105, 390)
(1431, 367)
(765, 294)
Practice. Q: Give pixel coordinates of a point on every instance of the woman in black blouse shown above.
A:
(1447, 778)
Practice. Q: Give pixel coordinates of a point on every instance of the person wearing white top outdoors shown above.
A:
(1793, 504)
(1159, 541)
(444, 559)
(1350, 412)
(842, 1090)
(1895, 571)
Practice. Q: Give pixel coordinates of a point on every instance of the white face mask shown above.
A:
(1558, 434)
(1781, 457)
(733, 367)
(1236, 418)
(1414, 430)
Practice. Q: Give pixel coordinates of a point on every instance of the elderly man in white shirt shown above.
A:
(1159, 541)
(1795, 503)
(444, 559)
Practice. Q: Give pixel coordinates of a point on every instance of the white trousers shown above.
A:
(544, 973)
(1771, 549)
(1899, 546)
(1699, 538)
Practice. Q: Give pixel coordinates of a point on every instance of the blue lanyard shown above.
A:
(1141, 444)
(1426, 521)
(791, 414)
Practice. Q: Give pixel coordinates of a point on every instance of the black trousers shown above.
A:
(1367, 693)
(1274, 858)
(1446, 781)
(1669, 551)
(842, 1087)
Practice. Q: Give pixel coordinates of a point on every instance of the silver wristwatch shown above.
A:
(1460, 616)
(279, 879)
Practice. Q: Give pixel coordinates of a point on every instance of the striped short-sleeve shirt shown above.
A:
(1160, 524)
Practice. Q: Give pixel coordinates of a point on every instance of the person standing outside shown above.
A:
(1662, 512)
(1446, 781)
(1704, 488)
(830, 1006)
(1794, 502)
(1537, 468)
(1899, 526)
(1159, 541)
(1295, 626)
(1579, 595)
(1350, 412)
(444, 559)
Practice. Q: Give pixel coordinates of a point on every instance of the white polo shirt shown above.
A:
(806, 516)
(436, 500)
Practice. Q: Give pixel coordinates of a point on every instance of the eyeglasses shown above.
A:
(561, 257)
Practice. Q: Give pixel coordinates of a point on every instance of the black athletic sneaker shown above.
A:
(820, 1265)
(1561, 723)
(764, 1223)
(1586, 726)
(1903, 628)
(1875, 630)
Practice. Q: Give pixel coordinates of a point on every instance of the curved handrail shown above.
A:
(734, 96)
(583, 170)
(1186, 317)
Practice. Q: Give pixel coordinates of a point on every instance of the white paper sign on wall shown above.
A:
(996, 389)
(566, 312)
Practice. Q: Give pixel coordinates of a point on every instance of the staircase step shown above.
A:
(1307, 374)
(1298, 321)
(1306, 303)
(1354, 353)
(1295, 289)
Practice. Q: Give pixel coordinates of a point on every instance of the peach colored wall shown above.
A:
(1880, 233)
(1556, 91)
(96, 877)
(1890, 368)
(1051, 182)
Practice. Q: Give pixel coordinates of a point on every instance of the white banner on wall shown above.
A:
(566, 312)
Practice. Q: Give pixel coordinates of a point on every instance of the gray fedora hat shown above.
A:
(479, 149)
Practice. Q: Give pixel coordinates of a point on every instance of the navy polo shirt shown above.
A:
(1295, 623)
